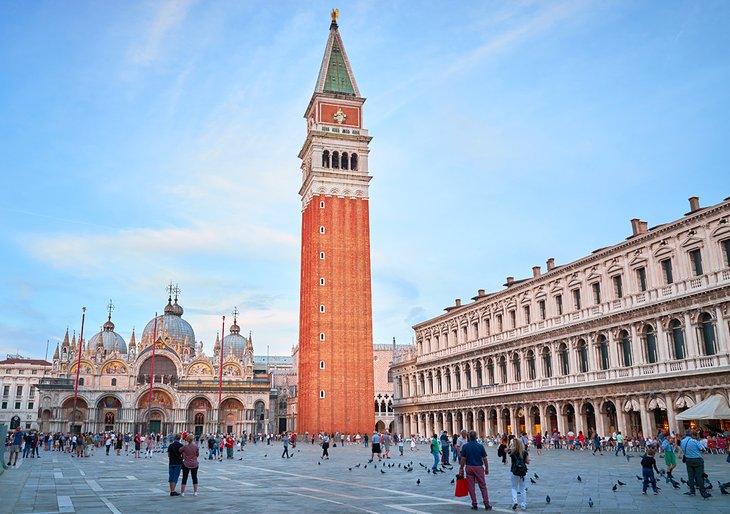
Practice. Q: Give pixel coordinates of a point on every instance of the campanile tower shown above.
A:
(336, 390)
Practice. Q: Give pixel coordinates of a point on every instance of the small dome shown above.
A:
(108, 338)
(236, 343)
(172, 325)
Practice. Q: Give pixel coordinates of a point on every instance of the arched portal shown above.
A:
(165, 371)
(198, 413)
(76, 414)
(259, 413)
(107, 412)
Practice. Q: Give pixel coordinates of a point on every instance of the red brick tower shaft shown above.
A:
(336, 390)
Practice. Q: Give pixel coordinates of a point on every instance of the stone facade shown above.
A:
(19, 378)
(622, 339)
(127, 390)
(335, 380)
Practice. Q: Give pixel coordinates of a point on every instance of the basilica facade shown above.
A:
(163, 382)
(622, 339)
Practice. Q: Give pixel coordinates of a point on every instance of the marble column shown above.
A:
(690, 336)
(600, 418)
(671, 414)
(646, 424)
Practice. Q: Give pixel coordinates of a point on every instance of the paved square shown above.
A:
(264, 482)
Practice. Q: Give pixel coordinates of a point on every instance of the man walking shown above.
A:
(173, 452)
(285, 439)
(692, 449)
(473, 460)
(620, 444)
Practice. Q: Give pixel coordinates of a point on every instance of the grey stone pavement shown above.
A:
(263, 482)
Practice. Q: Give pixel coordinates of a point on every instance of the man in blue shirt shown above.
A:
(15, 448)
(445, 448)
(474, 460)
(692, 449)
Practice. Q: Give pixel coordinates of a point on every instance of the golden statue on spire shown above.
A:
(335, 15)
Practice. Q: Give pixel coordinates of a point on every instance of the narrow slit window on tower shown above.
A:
(344, 161)
(321, 204)
(353, 162)
(321, 255)
(321, 308)
(321, 393)
(321, 229)
(321, 336)
(321, 281)
(321, 364)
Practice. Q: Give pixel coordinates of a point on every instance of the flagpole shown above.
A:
(152, 367)
(220, 373)
(78, 364)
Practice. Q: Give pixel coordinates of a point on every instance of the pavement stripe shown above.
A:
(94, 485)
(57, 474)
(333, 501)
(110, 505)
(131, 477)
(332, 493)
(65, 504)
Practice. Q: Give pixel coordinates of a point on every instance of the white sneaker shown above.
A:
(195, 493)
(182, 494)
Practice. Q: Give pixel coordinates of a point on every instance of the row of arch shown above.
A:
(339, 161)
(539, 362)
(632, 416)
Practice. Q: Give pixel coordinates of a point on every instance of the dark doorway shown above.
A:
(14, 422)
(282, 425)
(198, 430)
(155, 425)
(229, 429)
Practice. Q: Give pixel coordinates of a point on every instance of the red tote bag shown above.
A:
(462, 488)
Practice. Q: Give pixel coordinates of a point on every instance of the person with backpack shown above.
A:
(520, 459)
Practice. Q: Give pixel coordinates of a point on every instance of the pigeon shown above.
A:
(615, 486)
(370, 461)
(639, 478)
(547, 499)
(266, 454)
(620, 483)
(357, 465)
(532, 480)
(452, 480)
(319, 463)
(682, 480)
(579, 479)
(590, 502)
(629, 457)
(241, 458)
(365, 466)
(409, 470)
(429, 471)
(723, 489)
(537, 476)
(383, 472)
(350, 469)
(418, 482)
(399, 464)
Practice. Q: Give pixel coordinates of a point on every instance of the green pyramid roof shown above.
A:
(335, 74)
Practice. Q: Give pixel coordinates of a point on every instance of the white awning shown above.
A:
(713, 407)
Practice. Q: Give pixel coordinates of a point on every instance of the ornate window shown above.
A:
(503, 369)
(603, 350)
(625, 343)
(336, 160)
(618, 288)
(490, 371)
(547, 363)
(326, 159)
(641, 278)
(353, 162)
(531, 365)
(650, 344)
(666, 265)
(695, 258)
(344, 161)
(516, 367)
(677, 336)
(707, 333)
(583, 356)
(564, 363)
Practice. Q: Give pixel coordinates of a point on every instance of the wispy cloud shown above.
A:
(168, 17)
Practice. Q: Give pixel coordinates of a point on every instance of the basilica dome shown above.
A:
(170, 327)
(108, 339)
(234, 342)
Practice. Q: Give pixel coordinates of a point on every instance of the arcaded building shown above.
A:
(163, 382)
(335, 317)
(622, 339)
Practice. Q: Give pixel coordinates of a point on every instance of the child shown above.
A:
(400, 445)
(648, 465)
(502, 451)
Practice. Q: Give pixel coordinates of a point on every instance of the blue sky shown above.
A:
(144, 142)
